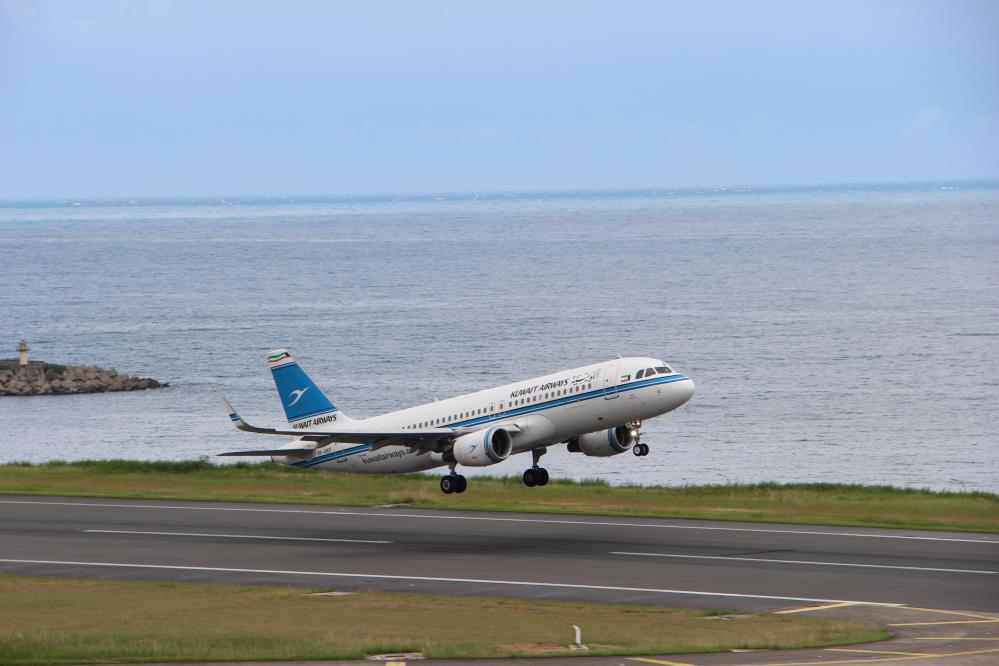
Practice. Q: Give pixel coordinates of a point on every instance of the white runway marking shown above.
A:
(553, 521)
(436, 579)
(825, 564)
(234, 536)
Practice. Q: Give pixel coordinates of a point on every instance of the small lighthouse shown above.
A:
(23, 349)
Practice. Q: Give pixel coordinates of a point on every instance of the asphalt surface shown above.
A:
(743, 566)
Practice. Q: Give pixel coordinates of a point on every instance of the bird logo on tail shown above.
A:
(297, 395)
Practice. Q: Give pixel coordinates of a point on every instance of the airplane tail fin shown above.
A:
(303, 401)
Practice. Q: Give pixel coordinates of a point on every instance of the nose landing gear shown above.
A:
(453, 483)
(536, 476)
(640, 450)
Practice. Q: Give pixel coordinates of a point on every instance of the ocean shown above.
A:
(835, 334)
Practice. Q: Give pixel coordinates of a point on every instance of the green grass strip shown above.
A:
(813, 503)
(62, 621)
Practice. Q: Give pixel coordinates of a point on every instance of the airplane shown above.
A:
(596, 410)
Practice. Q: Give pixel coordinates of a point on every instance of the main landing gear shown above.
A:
(536, 476)
(453, 483)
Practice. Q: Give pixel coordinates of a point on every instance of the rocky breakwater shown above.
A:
(40, 378)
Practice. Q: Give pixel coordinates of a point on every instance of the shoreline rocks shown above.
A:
(40, 378)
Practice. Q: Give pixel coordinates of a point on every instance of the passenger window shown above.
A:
(639, 374)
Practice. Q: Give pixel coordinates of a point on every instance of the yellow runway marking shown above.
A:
(879, 659)
(807, 609)
(890, 656)
(395, 663)
(920, 624)
(980, 616)
(955, 638)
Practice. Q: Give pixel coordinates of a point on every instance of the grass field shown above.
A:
(54, 620)
(820, 504)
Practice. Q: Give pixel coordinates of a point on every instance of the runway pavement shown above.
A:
(627, 560)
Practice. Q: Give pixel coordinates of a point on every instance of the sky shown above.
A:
(200, 98)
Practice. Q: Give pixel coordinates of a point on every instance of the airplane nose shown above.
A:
(684, 391)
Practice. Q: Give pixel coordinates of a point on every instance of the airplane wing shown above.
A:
(424, 439)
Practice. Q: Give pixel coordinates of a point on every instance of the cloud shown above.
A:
(924, 121)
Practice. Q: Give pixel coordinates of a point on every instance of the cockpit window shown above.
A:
(663, 370)
(639, 374)
(649, 372)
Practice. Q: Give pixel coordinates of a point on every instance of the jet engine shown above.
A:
(485, 447)
(604, 443)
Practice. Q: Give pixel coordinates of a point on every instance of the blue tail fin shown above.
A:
(301, 398)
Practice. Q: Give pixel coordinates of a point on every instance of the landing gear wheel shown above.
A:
(461, 484)
(536, 476)
(530, 478)
(640, 450)
(448, 484)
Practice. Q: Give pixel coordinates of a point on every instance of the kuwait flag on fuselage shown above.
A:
(625, 378)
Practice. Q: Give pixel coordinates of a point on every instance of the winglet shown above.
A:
(234, 416)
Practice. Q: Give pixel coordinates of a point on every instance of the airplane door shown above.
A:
(610, 380)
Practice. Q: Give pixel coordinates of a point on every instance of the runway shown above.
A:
(749, 566)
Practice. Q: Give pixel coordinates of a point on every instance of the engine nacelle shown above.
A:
(604, 443)
(482, 448)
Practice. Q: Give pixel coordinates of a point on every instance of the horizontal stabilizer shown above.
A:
(297, 453)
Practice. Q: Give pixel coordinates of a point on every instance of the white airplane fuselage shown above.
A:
(539, 412)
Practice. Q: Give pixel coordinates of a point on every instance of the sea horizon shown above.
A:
(319, 197)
